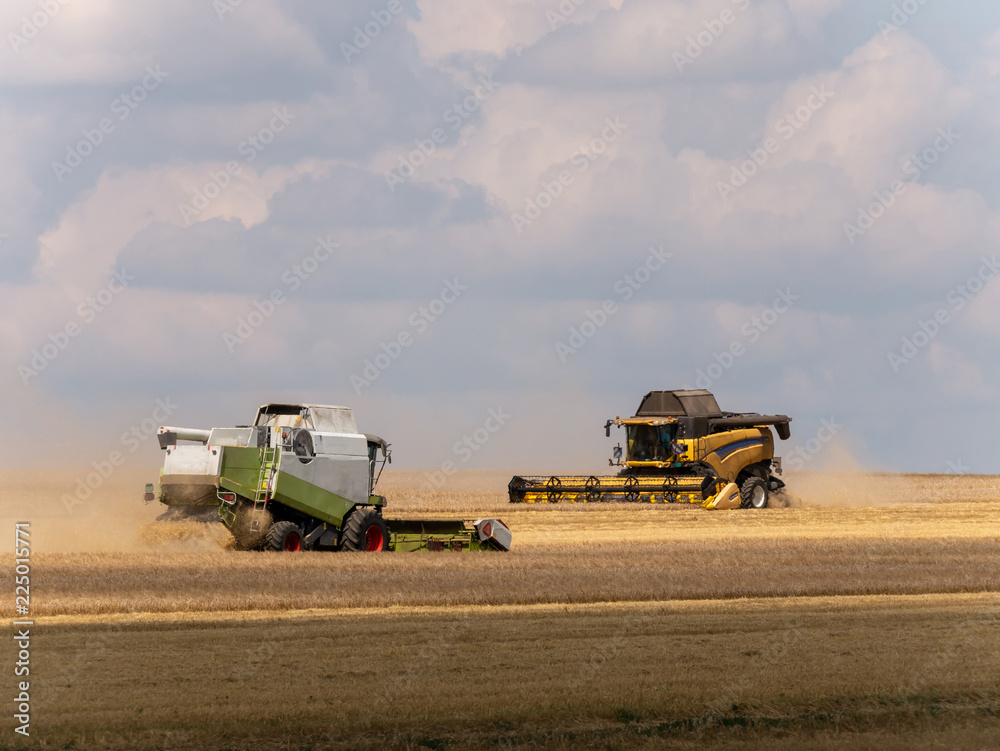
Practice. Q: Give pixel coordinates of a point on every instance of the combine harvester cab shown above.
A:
(302, 477)
(680, 448)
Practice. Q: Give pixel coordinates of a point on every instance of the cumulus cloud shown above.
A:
(535, 154)
(448, 30)
(100, 42)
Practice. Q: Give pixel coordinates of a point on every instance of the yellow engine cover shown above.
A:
(730, 452)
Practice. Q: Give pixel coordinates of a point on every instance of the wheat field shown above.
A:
(861, 614)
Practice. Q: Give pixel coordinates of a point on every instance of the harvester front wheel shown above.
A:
(284, 536)
(753, 493)
(365, 531)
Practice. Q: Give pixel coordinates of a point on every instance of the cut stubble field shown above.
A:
(863, 615)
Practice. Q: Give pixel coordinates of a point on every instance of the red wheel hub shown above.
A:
(374, 539)
(293, 543)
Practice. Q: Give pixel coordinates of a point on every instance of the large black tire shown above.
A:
(284, 536)
(754, 493)
(365, 531)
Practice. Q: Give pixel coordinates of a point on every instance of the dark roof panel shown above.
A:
(699, 403)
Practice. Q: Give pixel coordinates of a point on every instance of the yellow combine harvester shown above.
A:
(680, 448)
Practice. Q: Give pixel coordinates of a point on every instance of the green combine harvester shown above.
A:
(300, 478)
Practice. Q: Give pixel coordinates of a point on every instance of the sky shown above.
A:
(488, 227)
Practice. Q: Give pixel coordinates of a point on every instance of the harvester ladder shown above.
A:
(260, 495)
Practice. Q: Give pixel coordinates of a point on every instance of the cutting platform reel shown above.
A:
(625, 489)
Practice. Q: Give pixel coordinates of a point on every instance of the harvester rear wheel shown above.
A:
(285, 536)
(753, 493)
(365, 531)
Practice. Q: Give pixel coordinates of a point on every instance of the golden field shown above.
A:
(863, 615)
